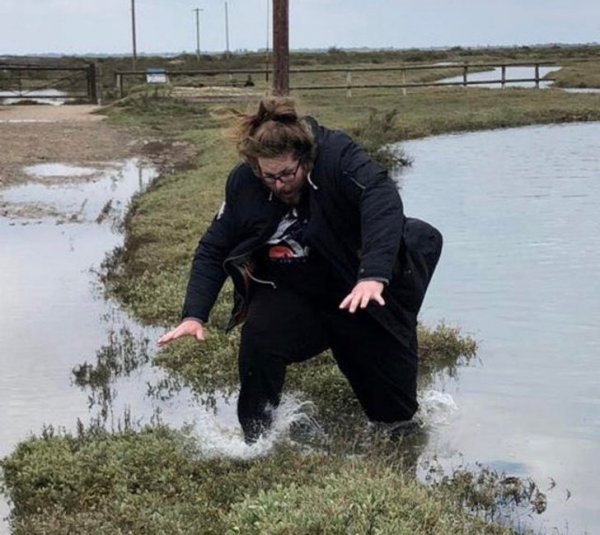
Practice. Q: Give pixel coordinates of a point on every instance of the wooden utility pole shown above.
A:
(133, 33)
(267, 66)
(281, 48)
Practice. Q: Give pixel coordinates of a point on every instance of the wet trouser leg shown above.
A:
(381, 370)
(281, 327)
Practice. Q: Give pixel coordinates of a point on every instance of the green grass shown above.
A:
(578, 74)
(157, 481)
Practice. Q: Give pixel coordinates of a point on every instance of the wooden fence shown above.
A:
(350, 73)
(22, 82)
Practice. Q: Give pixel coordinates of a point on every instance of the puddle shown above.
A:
(580, 89)
(52, 314)
(17, 121)
(75, 194)
(34, 95)
(59, 170)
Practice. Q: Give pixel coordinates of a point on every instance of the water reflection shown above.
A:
(122, 355)
(519, 212)
(51, 318)
(512, 73)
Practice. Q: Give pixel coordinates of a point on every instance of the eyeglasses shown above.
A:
(284, 176)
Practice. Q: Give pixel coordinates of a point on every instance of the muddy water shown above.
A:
(521, 272)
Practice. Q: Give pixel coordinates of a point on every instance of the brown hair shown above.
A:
(275, 129)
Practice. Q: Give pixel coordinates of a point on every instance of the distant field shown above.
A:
(575, 74)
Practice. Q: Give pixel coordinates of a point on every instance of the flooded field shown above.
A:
(517, 208)
(55, 232)
(519, 211)
(512, 73)
(71, 357)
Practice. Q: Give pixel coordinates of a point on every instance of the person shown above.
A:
(313, 234)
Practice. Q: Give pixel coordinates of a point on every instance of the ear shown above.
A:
(253, 163)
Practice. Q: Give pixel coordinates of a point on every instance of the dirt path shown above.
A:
(63, 134)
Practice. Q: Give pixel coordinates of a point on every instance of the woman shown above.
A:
(312, 233)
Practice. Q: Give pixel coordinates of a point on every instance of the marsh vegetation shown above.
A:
(351, 479)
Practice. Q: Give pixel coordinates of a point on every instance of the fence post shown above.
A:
(537, 75)
(99, 84)
(404, 82)
(91, 79)
(119, 83)
(465, 71)
(503, 76)
(348, 84)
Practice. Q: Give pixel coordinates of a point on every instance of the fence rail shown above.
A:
(15, 88)
(119, 76)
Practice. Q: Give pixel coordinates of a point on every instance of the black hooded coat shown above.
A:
(356, 222)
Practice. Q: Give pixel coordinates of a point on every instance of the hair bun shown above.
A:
(278, 109)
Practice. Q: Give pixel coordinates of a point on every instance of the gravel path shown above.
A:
(62, 134)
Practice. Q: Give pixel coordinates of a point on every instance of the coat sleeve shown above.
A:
(207, 274)
(368, 185)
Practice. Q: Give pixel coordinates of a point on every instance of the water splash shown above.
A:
(435, 408)
(218, 434)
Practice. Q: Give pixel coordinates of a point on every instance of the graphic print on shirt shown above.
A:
(287, 243)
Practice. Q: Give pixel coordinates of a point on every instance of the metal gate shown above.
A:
(48, 84)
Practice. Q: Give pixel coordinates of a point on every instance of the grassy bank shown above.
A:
(160, 481)
(157, 482)
(578, 74)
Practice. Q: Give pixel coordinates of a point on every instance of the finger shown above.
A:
(354, 303)
(379, 299)
(170, 336)
(165, 339)
(365, 300)
(200, 336)
(346, 301)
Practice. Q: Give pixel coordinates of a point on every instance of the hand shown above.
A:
(185, 328)
(362, 294)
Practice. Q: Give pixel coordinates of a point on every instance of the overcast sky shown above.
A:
(104, 26)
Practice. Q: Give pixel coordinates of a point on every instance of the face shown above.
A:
(284, 176)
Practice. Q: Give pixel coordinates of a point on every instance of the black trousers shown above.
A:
(283, 327)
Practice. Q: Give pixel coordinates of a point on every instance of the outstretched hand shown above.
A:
(185, 328)
(362, 294)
